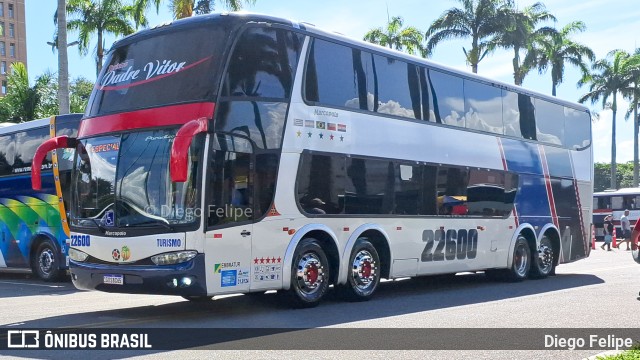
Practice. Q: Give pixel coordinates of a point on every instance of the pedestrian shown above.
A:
(608, 232)
(625, 224)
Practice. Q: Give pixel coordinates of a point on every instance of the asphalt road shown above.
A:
(599, 292)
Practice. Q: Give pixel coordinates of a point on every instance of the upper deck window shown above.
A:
(170, 68)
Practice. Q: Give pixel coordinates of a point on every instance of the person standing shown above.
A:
(608, 232)
(625, 224)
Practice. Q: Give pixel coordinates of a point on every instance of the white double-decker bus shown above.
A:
(238, 153)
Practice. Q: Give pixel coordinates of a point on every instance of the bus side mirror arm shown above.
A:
(59, 142)
(178, 163)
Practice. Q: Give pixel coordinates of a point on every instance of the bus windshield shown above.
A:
(176, 67)
(123, 181)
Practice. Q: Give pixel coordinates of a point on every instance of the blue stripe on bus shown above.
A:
(522, 157)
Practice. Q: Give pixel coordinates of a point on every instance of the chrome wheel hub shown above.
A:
(364, 269)
(46, 260)
(310, 274)
(545, 257)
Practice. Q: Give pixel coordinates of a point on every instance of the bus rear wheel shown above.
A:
(44, 262)
(543, 264)
(521, 263)
(310, 274)
(364, 272)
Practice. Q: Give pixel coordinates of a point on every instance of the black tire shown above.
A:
(45, 262)
(364, 271)
(310, 274)
(198, 298)
(521, 263)
(543, 264)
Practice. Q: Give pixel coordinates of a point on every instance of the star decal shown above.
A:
(341, 138)
(261, 260)
(321, 135)
(255, 261)
(298, 133)
(309, 133)
(331, 137)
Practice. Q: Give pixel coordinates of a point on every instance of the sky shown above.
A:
(611, 24)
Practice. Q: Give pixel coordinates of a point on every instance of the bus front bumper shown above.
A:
(185, 279)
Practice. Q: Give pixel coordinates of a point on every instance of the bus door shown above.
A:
(229, 210)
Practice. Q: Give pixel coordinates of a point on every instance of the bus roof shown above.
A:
(10, 128)
(623, 191)
(236, 19)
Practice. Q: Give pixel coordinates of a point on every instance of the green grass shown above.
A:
(633, 354)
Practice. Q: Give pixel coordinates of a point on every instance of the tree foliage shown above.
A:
(602, 176)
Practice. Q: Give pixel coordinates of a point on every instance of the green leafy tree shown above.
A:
(397, 37)
(610, 77)
(24, 102)
(184, 8)
(602, 176)
(99, 17)
(522, 35)
(479, 20)
(557, 50)
(80, 91)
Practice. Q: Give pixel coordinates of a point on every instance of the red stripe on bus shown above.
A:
(504, 159)
(146, 118)
(547, 180)
(601, 211)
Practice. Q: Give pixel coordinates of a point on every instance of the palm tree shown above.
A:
(478, 19)
(607, 80)
(100, 17)
(63, 59)
(185, 8)
(397, 37)
(633, 93)
(558, 49)
(521, 34)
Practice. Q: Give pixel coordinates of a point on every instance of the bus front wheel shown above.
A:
(310, 274)
(364, 272)
(44, 262)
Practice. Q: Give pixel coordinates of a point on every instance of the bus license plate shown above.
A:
(113, 279)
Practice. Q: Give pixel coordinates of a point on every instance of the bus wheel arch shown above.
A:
(45, 258)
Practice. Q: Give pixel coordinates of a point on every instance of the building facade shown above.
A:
(13, 38)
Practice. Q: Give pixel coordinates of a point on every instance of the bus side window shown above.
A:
(231, 182)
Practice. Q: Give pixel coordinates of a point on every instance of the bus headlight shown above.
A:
(77, 255)
(174, 257)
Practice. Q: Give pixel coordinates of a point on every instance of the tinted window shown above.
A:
(511, 113)
(27, 143)
(452, 190)
(408, 190)
(263, 63)
(330, 76)
(446, 98)
(263, 122)
(549, 122)
(176, 67)
(231, 183)
(265, 176)
(321, 184)
(483, 107)
(577, 128)
(490, 193)
(392, 91)
(527, 120)
(369, 187)
(7, 154)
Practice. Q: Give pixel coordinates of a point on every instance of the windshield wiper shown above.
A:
(164, 224)
(100, 226)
